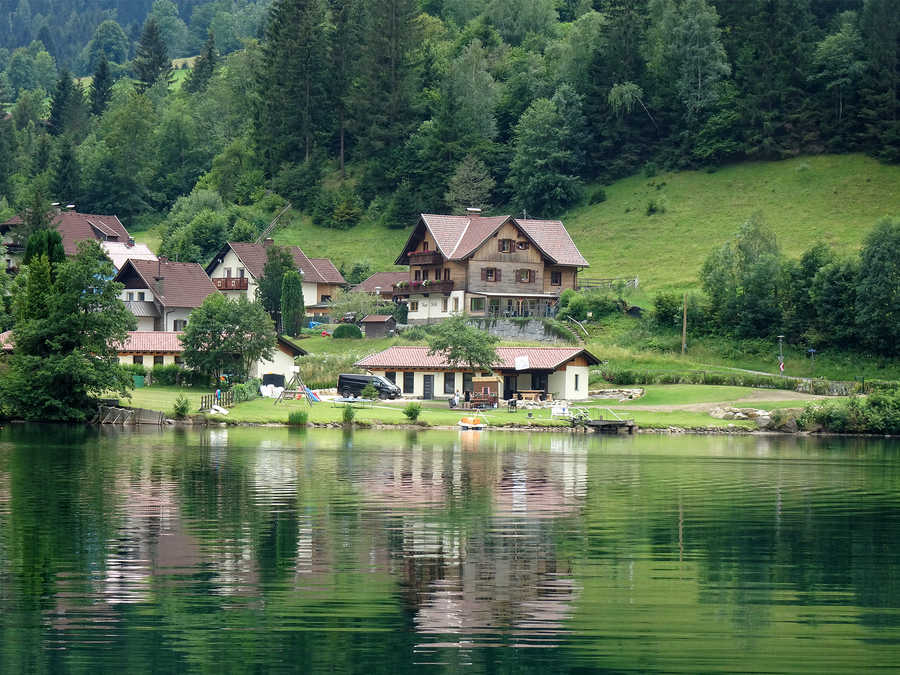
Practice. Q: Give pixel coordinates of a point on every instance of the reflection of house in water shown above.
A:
(493, 569)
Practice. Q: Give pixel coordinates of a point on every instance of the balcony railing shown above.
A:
(425, 258)
(231, 283)
(430, 286)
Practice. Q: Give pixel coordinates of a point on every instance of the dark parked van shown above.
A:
(350, 384)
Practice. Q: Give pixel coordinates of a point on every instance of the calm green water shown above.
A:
(268, 550)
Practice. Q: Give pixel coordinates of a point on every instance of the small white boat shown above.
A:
(472, 423)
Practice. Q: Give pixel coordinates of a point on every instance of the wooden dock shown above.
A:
(611, 426)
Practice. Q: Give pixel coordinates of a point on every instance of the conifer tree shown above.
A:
(101, 87)
(204, 66)
(151, 62)
(292, 308)
(66, 177)
(60, 104)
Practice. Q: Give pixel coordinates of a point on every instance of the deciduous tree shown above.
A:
(463, 345)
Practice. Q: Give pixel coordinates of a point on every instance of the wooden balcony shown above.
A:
(431, 286)
(425, 258)
(231, 283)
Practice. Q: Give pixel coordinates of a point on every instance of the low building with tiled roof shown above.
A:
(486, 266)
(381, 283)
(237, 267)
(560, 372)
(162, 293)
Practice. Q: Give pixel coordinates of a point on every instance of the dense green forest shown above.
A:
(369, 112)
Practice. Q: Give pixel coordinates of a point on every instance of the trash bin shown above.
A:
(138, 381)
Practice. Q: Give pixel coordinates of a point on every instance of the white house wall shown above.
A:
(310, 293)
(145, 323)
(280, 363)
(232, 262)
(128, 359)
(432, 307)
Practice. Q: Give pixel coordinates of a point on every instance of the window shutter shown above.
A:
(497, 275)
(500, 245)
(484, 273)
(531, 276)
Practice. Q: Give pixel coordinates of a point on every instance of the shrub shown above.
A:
(598, 196)
(181, 407)
(298, 418)
(650, 169)
(348, 414)
(667, 309)
(412, 411)
(165, 375)
(246, 391)
(415, 334)
(369, 391)
(560, 330)
(655, 206)
(135, 369)
(347, 330)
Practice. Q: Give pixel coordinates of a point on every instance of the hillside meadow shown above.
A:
(832, 198)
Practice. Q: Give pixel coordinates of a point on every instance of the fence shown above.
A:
(116, 415)
(597, 282)
(226, 400)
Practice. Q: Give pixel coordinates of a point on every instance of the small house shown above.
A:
(543, 372)
(378, 325)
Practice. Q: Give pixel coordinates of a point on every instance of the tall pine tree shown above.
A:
(151, 62)
(101, 87)
(204, 66)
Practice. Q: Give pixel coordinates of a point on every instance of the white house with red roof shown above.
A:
(486, 266)
(561, 372)
(237, 267)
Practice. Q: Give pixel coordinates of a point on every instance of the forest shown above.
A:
(355, 111)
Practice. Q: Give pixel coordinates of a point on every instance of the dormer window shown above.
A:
(505, 245)
(425, 245)
(522, 245)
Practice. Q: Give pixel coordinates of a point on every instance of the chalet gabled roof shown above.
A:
(539, 358)
(74, 227)
(183, 284)
(383, 280)
(253, 257)
(458, 237)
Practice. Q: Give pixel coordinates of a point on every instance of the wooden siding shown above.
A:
(568, 274)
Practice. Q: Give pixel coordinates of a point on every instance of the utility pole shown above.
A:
(684, 325)
(781, 353)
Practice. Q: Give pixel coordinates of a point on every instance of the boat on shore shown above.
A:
(472, 423)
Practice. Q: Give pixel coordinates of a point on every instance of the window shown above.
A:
(129, 296)
(444, 304)
(556, 278)
(179, 361)
(455, 304)
(424, 275)
(240, 272)
(576, 381)
(505, 245)
(138, 360)
(418, 275)
(227, 272)
(449, 383)
(424, 245)
(157, 360)
(476, 305)
(447, 274)
(140, 296)
(179, 324)
(391, 377)
(413, 305)
(467, 381)
(490, 274)
(522, 245)
(525, 276)
(408, 382)
(325, 298)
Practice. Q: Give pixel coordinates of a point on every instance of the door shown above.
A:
(428, 387)
(509, 387)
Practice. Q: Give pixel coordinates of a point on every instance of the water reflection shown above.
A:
(248, 549)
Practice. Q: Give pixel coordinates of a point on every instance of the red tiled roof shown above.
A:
(183, 284)
(328, 271)
(383, 280)
(6, 342)
(539, 358)
(74, 227)
(376, 318)
(458, 237)
(152, 341)
(254, 258)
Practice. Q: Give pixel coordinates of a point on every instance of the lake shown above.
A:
(277, 550)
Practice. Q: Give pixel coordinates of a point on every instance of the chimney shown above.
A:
(159, 279)
(473, 213)
(268, 241)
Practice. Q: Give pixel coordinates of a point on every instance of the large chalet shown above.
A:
(486, 266)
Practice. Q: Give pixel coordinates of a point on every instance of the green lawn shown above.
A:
(682, 394)
(163, 398)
